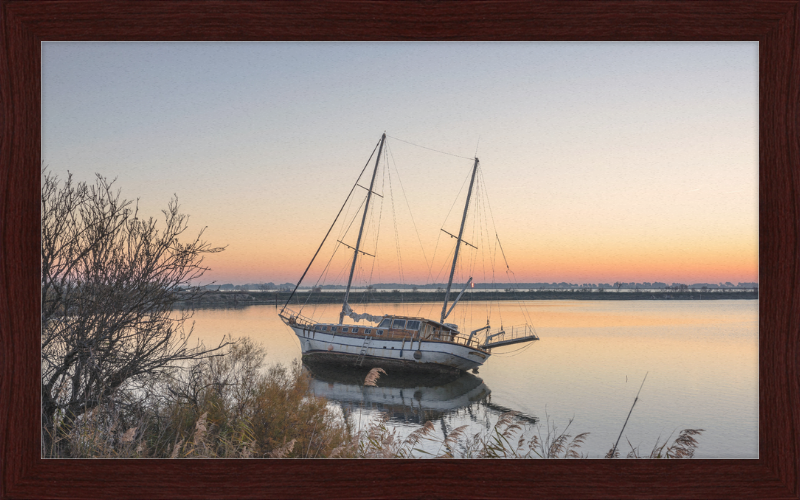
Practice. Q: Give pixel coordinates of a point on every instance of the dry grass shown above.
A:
(233, 407)
(229, 406)
(555, 443)
(508, 438)
(683, 446)
(377, 440)
(372, 377)
(267, 413)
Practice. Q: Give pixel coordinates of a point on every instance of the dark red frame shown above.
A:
(775, 24)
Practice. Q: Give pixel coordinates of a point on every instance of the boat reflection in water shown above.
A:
(407, 397)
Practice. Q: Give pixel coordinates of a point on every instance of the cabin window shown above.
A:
(367, 331)
(345, 330)
(320, 328)
(379, 332)
(413, 325)
(385, 323)
(399, 324)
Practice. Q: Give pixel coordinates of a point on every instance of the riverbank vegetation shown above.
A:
(226, 406)
(233, 406)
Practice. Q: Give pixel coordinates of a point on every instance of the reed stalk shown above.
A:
(613, 452)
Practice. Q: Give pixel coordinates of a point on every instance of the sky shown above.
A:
(599, 162)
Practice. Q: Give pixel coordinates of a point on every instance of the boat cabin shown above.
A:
(419, 327)
(395, 327)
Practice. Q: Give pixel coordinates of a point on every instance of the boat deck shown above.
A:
(294, 319)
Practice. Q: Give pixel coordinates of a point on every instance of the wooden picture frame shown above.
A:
(774, 24)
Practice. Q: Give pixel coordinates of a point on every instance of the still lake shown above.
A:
(701, 360)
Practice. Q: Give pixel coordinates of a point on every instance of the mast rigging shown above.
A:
(361, 230)
(458, 243)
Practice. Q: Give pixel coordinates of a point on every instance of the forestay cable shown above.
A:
(330, 229)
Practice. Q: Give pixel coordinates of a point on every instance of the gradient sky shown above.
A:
(602, 162)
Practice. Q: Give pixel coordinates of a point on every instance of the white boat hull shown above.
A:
(389, 353)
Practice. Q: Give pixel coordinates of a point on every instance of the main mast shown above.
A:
(361, 229)
(458, 242)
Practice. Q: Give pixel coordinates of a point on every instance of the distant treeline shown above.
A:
(235, 299)
(657, 285)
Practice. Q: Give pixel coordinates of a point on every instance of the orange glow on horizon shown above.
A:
(631, 265)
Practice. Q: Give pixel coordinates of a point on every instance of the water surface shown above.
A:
(701, 360)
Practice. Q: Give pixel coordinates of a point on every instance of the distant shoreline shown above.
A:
(236, 299)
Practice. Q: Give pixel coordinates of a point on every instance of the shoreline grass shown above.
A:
(233, 406)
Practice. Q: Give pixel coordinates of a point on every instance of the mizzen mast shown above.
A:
(361, 230)
(458, 243)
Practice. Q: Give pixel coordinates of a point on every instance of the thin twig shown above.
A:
(614, 449)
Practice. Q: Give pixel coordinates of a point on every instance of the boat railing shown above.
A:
(507, 336)
(467, 342)
(298, 319)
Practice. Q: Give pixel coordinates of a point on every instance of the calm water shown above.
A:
(702, 359)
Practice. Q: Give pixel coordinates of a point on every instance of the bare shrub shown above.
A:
(109, 283)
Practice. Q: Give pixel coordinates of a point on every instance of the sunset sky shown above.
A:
(601, 162)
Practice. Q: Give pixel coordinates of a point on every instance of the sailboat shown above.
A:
(400, 342)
